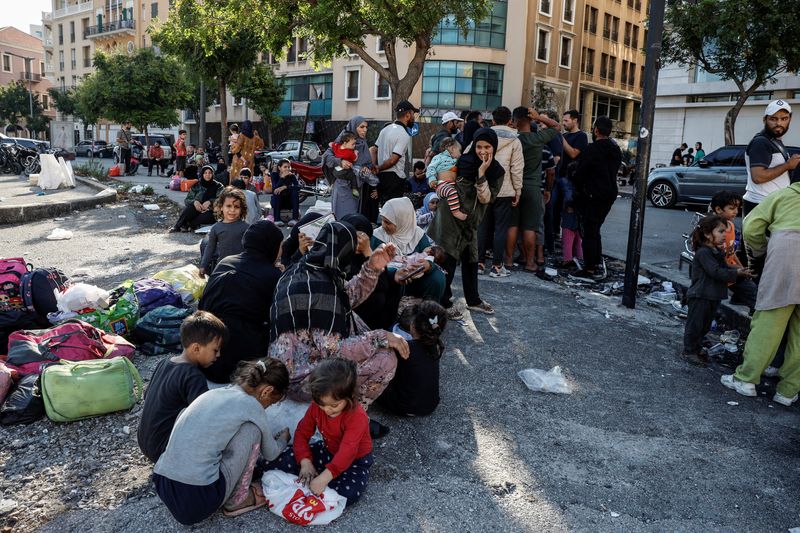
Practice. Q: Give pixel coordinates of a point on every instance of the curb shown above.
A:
(28, 212)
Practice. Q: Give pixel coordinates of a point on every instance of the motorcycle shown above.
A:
(312, 181)
(137, 155)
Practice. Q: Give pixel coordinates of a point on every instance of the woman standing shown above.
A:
(199, 210)
(342, 199)
(244, 150)
(478, 181)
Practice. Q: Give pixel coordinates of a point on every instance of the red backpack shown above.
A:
(73, 340)
(11, 272)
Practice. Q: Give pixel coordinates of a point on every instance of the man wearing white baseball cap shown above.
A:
(450, 124)
(768, 165)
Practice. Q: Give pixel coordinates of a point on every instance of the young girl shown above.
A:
(215, 443)
(285, 190)
(342, 460)
(426, 213)
(414, 391)
(571, 242)
(225, 237)
(710, 278)
(441, 175)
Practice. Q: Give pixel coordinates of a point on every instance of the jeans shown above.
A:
(494, 229)
(279, 201)
(469, 279)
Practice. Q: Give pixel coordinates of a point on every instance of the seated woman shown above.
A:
(239, 293)
(311, 318)
(285, 193)
(199, 210)
(399, 227)
(290, 251)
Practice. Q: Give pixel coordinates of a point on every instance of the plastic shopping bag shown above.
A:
(186, 280)
(539, 380)
(81, 296)
(289, 499)
(121, 315)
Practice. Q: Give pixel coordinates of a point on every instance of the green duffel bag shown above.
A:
(83, 389)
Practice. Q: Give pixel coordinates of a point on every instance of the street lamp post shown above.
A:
(30, 81)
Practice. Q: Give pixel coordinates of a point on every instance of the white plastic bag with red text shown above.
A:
(294, 502)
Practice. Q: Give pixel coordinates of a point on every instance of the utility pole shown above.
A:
(29, 68)
(202, 118)
(652, 63)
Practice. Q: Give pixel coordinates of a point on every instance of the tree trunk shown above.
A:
(733, 113)
(269, 135)
(223, 120)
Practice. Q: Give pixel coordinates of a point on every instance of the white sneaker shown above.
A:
(771, 371)
(745, 389)
(502, 272)
(783, 400)
(292, 223)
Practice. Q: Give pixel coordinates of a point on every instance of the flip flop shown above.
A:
(258, 498)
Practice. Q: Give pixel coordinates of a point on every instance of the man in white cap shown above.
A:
(450, 124)
(768, 165)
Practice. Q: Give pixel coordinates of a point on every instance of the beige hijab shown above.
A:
(400, 212)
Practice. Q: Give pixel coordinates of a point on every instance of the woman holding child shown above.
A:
(343, 201)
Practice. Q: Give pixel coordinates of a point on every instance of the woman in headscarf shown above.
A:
(399, 227)
(239, 293)
(342, 200)
(199, 202)
(478, 181)
(291, 252)
(311, 318)
(429, 207)
(244, 150)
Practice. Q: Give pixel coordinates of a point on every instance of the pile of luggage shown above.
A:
(66, 349)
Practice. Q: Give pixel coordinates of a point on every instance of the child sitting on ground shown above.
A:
(177, 381)
(343, 459)
(710, 278)
(414, 390)
(441, 175)
(345, 150)
(726, 204)
(216, 442)
(225, 237)
(426, 213)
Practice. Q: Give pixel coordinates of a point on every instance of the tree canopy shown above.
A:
(748, 42)
(15, 105)
(263, 92)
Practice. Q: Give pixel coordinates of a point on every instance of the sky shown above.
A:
(21, 14)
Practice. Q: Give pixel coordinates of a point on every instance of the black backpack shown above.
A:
(38, 289)
(25, 404)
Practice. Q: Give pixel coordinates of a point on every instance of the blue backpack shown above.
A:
(159, 331)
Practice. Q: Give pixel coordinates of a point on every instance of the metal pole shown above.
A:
(652, 63)
(303, 135)
(202, 118)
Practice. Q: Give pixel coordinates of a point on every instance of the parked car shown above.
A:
(88, 148)
(163, 139)
(289, 150)
(722, 169)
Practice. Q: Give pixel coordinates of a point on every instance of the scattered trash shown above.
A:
(682, 310)
(667, 285)
(608, 315)
(551, 271)
(121, 216)
(41, 193)
(661, 297)
(151, 207)
(59, 234)
(126, 430)
(614, 515)
(642, 280)
(539, 380)
(81, 296)
(59, 219)
(731, 336)
(733, 403)
(138, 189)
(104, 192)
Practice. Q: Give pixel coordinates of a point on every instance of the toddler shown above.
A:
(345, 150)
(225, 237)
(178, 381)
(710, 277)
(343, 458)
(426, 213)
(441, 175)
(726, 204)
(571, 242)
(216, 442)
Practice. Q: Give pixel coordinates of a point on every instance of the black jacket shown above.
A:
(710, 275)
(596, 176)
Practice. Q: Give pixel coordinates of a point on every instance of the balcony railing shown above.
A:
(73, 9)
(48, 43)
(113, 27)
(30, 76)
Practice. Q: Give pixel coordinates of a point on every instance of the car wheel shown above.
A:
(662, 194)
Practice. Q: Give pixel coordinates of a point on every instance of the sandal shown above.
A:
(258, 501)
(483, 307)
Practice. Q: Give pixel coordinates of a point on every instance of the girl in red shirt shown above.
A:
(342, 460)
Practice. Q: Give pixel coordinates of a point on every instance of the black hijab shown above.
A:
(291, 245)
(360, 223)
(264, 239)
(469, 162)
(469, 132)
(311, 294)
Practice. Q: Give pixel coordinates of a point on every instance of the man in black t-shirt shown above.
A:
(677, 156)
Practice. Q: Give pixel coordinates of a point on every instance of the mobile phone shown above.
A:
(414, 273)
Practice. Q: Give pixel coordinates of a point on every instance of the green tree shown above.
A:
(217, 38)
(264, 94)
(748, 42)
(14, 104)
(142, 88)
(332, 25)
(63, 101)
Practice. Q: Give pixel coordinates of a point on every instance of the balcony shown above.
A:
(49, 69)
(73, 9)
(30, 76)
(104, 30)
(87, 62)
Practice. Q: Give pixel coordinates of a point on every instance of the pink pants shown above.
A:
(571, 244)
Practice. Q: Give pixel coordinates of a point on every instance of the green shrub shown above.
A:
(91, 169)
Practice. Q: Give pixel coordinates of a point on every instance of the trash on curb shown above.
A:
(730, 336)
(642, 280)
(551, 272)
(733, 403)
(59, 234)
(138, 189)
(682, 310)
(151, 207)
(539, 380)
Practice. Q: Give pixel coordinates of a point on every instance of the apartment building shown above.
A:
(68, 52)
(22, 58)
(691, 105)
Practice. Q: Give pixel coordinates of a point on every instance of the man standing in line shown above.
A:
(390, 151)
(768, 166)
(450, 125)
(595, 183)
(677, 156)
(124, 139)
(574, 143)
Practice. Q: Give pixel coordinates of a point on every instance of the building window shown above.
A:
(302, 49)
(544, 7)
(641, 78)
(291, 55)
(632, 74)
(45, 102)
(635, 37)
(624, 78)
(606, 25)
(73, 58)
(72, 31)
(614, 29)
(608, 106)
(612, 68)
(587, 61)
(462, 85)
(487, 33)
(638, 5)
(543, 46)
(628, 31)
(60, 34)
(84, 27)
(237, 101)
(154, 10)
(382, 89)
(379, 48)
(569, 11)
(303, 89)
(590, 20)
(630, 4)
(61, 60)
(352, 79)
(603, 66)
(6, 63)
(565, 55)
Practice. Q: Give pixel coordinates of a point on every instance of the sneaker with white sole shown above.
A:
(771, 371)
(783, 400)
(582, 275)
(501, 272)
(743, 388)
